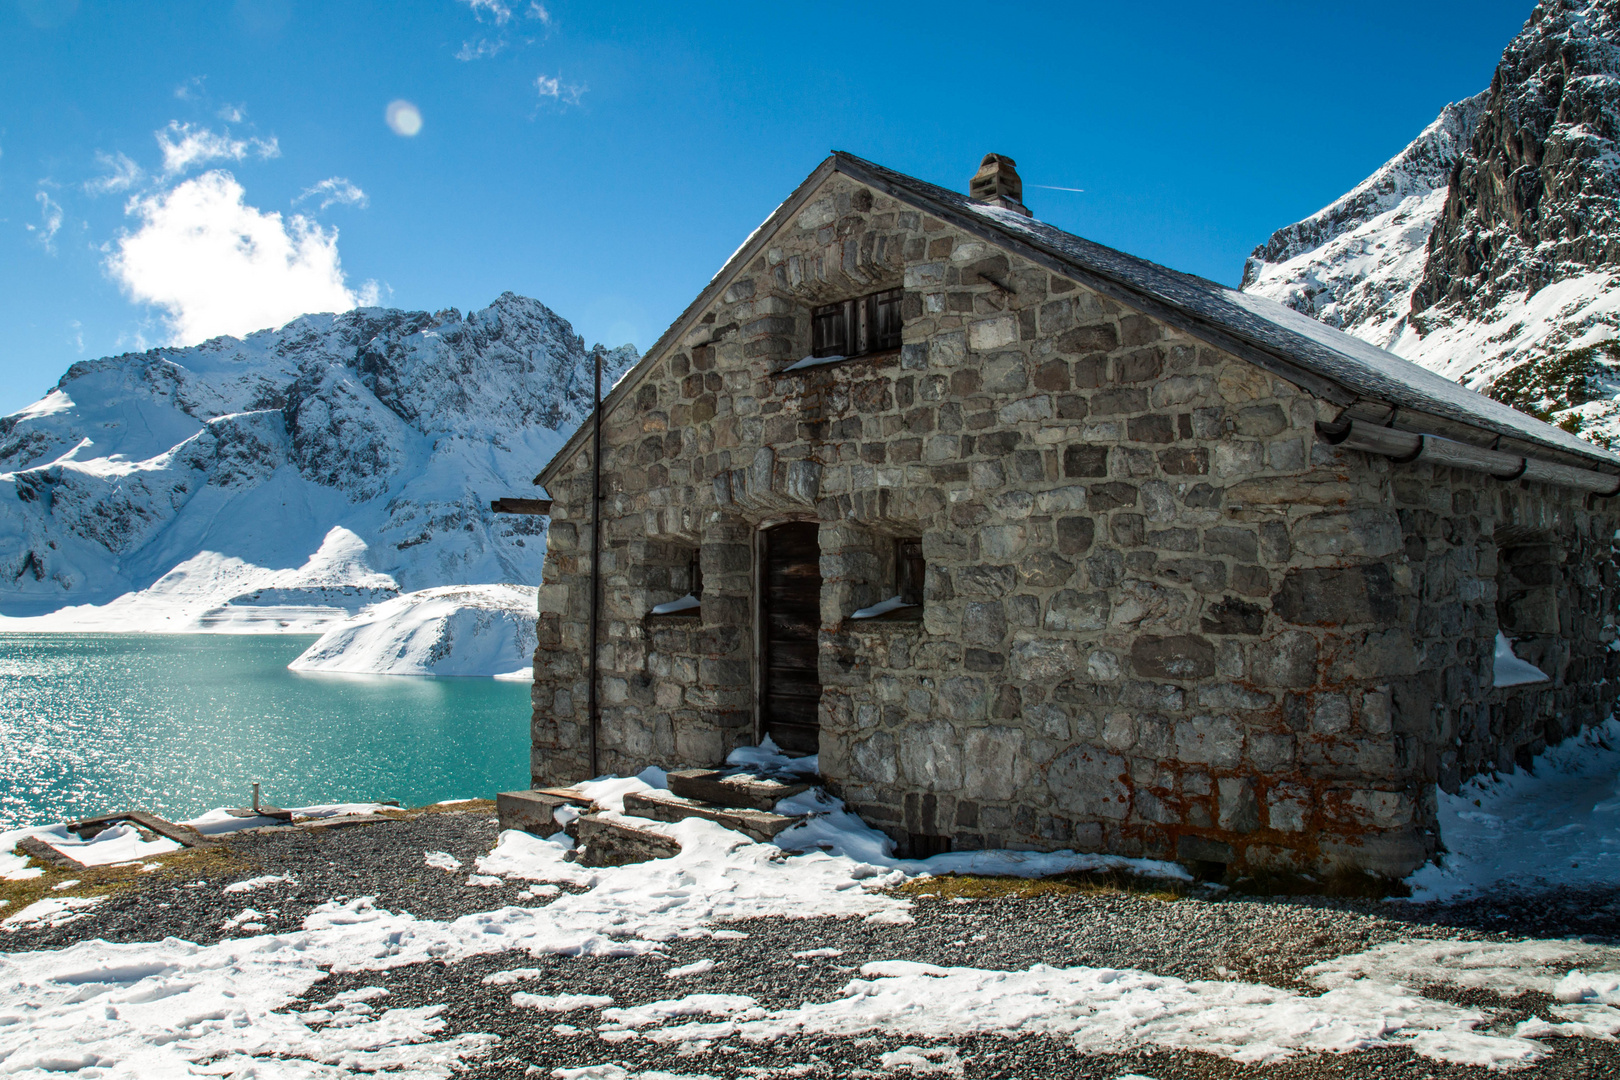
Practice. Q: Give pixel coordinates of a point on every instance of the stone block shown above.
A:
(1358, 534)
(1337, 596)
(534, 811)
(1181, 657)
(1210, 740)
(760, 825)
(1090, 783)
(612, 843)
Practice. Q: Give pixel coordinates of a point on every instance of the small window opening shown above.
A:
(910, 574)
(856, 327)
(1527, 587)
(690, 604)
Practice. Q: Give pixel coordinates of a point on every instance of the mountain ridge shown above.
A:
(326, 464)
(1503, 273)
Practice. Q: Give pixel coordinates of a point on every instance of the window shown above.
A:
(1528, 568)
(856, 327)
(689, 605)
(909, 570)
(910, 573)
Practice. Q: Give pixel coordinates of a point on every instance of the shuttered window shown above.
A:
(856, 327)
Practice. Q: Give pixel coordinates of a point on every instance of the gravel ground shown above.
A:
(1208, 935)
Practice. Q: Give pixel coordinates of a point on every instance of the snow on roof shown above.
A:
(1358, 366)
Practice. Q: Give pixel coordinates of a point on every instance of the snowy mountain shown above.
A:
(1489, 249)
(286, 480)
(1355, 263)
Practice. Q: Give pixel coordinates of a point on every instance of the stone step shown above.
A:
(734, 789)
(761, 825)
(535, 811)
(613, 843)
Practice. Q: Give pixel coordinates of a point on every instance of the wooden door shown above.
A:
(790, 616)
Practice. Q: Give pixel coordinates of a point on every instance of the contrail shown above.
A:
(1049, 187)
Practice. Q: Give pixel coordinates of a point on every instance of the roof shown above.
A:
(1367, 380)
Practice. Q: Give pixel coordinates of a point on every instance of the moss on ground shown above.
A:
(997, 887)
(187, 864)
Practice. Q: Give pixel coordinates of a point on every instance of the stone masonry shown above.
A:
(1161, 618)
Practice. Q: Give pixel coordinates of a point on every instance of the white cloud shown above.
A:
(403, 117)
(557, 90)
(498, 10)
(538, 10)
(185, 145)
(480, 49)
(232, 114)
(335, 189)
(216, 265)
(50, 221)
(120, 174)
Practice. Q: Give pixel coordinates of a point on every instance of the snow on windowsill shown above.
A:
(678, 607)
(1512, 671)
(877, 611)
(822, 361)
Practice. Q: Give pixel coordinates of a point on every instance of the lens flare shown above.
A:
(404, 118)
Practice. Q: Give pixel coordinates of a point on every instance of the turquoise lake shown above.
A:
(177, 724)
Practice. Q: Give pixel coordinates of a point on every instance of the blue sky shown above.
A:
(606, 158)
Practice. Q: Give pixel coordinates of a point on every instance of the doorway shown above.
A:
(790, 619)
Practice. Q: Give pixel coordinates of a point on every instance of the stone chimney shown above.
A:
(997, 184)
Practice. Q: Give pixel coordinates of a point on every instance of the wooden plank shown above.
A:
(180, 834)
(791, 598)
(512, 505)
(35, 848)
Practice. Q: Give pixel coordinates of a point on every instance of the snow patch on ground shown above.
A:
(1107, 1009)
(454, 630)
(1555, 824)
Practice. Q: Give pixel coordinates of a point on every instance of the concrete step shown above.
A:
(761, 825)
(733, 789)
(535, 811)
(613, 843)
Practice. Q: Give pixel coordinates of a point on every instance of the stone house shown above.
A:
(1041, 545)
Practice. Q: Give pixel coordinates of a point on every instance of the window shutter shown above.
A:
(909, 570)
(885, 320)
(828, 331)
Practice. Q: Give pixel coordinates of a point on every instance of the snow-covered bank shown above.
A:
(1557, 823)
(123, 843)
(454, 630)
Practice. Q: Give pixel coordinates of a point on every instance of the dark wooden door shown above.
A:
(791, 618)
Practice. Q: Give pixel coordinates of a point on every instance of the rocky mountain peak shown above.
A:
(1534, 197)
(1489, 249)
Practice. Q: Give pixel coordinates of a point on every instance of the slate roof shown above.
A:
(1370, 382)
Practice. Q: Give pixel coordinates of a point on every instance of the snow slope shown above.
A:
(1490, 246)
(450, 630)
(287, 480)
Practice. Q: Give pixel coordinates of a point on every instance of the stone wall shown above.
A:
(1160, 617)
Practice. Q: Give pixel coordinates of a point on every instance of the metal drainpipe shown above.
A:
(596, 561)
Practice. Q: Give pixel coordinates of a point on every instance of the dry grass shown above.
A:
(470, 806)
(986, 887)
(187, 864)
